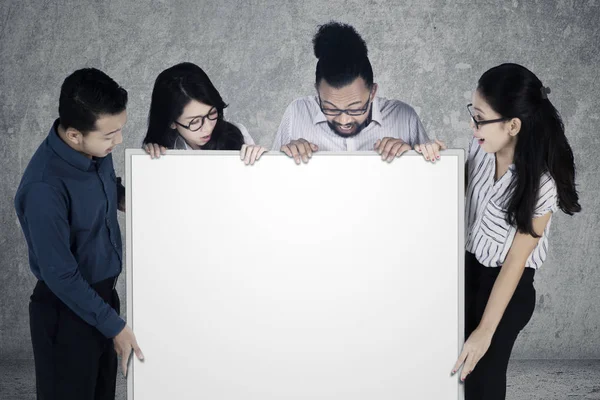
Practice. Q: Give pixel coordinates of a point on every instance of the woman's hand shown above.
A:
(474, 348)
(251, 153)
(431, 151)
(155, 150)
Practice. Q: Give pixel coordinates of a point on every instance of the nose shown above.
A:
(344, 119)
(472, 125)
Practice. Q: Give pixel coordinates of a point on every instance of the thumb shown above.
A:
(314, 147)
(124, 360)
(461, 359)
(117, 347)
(441, 144)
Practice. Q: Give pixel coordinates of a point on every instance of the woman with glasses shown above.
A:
(520, 170)
(186, 112)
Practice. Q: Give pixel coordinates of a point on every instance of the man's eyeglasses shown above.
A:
(482, 122)
(198, 122)
(354, 112)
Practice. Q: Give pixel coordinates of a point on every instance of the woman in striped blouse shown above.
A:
(186, 112)
(520, 170)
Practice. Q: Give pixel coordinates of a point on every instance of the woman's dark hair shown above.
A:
(173, 89)
(342, 55)
(85, 96)
(515, 92)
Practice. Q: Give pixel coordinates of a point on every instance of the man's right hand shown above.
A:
(124, 343)
(299, 150)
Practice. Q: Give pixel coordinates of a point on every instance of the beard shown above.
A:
(357, 130)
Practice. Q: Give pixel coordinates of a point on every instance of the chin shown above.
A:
(352, 132)
(104, 153)
(488, 150)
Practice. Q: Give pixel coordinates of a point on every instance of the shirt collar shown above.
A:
(66, 152)
(376, 116)
(319, 116)
(180, 144)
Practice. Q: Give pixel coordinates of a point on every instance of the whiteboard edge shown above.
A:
(129, 259)
(461, 260)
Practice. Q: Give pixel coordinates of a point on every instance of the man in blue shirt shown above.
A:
(67, 205)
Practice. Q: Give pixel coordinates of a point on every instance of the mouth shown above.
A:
(480, 140)
(109, 150)
(205, 138)
(346, 128)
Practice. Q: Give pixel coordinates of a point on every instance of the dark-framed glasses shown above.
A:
(354, 112)
(197, 123)
(479, 123)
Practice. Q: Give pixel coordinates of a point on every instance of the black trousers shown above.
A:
(73, 360)
(488, 379)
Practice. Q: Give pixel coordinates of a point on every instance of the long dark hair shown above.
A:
(515, 92)
(173, 89)
(342, 55)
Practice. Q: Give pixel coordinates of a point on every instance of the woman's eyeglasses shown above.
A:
(479, 123)
(198, 122)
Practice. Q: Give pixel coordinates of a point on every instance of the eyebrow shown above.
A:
(110, 133)
(351, 104)
(200, 116)
(477, 109)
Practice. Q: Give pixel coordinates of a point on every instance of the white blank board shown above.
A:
(340, 279)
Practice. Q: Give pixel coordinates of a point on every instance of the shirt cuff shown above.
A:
(112, 326)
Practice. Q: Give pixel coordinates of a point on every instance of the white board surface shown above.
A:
(341, 279)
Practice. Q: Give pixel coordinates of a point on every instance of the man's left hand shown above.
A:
(389, 148)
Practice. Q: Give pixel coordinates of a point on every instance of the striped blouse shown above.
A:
(488, 236)
(304, 119)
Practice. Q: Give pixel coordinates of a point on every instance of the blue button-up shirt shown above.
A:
(67, 207)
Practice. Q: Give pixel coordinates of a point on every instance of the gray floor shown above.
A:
(528, 379)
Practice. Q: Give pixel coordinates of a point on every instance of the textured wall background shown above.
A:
(259, 55)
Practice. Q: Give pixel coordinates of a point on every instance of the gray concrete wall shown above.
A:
(259, 55)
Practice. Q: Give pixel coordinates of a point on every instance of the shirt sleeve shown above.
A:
(120, 194)
(283, 135)
(45, 211)
(417, 131)
(473, 149)
(547, 200)
(247, 138)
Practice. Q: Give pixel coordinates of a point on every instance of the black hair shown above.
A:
(86, 95)
(515, 92)
(173, 89)
(342, 54)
